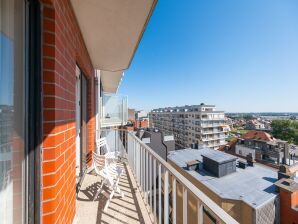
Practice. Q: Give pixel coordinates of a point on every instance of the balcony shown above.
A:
(212, 119)
(114, 110)
(155, 192)
(206, 125)
(130, 209)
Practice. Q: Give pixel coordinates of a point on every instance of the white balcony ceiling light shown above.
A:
(112, 29)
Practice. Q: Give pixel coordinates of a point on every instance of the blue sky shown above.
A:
(6, 70)
(241, 56)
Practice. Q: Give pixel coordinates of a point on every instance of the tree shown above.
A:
(286, 130)
(248, 116)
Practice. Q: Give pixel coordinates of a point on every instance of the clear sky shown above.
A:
(241, 55)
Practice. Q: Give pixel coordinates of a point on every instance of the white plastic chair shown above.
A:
(110, 175)
(102, 143)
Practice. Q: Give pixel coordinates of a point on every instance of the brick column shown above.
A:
(63, 48)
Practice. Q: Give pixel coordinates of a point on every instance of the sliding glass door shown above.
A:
(84, 124)
(81, 127)
(12, 111)
(81, 122)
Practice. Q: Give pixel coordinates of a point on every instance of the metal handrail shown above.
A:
(208, 204)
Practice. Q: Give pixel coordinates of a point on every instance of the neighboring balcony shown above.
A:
(114, 110)
(155, 192)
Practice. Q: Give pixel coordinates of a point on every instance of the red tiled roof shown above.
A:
(258, 135)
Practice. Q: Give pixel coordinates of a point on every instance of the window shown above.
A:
(19, 109)
(12, 111)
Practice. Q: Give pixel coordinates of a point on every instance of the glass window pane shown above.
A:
(12, 111)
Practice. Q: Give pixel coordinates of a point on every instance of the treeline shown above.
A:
(285, 130)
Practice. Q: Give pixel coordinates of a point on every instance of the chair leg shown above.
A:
(108, 202)
(99, 190)
(120, 192)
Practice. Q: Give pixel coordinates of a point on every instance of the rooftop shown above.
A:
(253, 185)
(258, 135)
(217, 156)
(186, 108)
(287, 184)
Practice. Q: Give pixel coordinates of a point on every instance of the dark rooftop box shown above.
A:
(219, 164)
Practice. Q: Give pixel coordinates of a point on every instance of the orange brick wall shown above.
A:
(287, 201)
(63, 48)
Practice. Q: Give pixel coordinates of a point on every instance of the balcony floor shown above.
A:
(127, 210)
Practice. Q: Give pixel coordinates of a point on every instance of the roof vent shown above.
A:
(286, 183)
(218, 163)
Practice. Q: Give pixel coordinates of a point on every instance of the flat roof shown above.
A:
(253, 185)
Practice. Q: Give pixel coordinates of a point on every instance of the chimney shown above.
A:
(250, 160)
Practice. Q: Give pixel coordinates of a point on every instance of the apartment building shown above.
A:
(191, 125)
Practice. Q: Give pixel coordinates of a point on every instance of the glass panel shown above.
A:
(114, 110)
(12, 111)
(84, 123)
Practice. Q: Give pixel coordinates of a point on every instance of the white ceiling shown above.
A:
(110, 80)
(112, 29)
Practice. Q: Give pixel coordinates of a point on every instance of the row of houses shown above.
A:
(251, 124)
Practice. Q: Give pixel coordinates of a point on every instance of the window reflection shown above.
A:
(12, 114)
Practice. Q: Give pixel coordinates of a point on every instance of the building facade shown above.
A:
(58, 70)
(191, 125)
(263, 148)
(155, 139)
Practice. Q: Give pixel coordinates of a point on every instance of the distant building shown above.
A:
(263, 147)
(139, 115)
(141, 123)
(254, 125)
(137, 119)
(155, 139)
(131, 114)
(258, 135)
(192, 125)
(247, 194)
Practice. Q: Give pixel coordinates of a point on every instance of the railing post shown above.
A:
(166, 197)
(134, 156)
(150, 181)
(159, 192)
(200, 212)
(154, 190)
(139, 163)
(146, 176)
(141, 169)
(184, 205)
(174, 200)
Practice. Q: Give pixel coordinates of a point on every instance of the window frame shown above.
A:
(33, 101)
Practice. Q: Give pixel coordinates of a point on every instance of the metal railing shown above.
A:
(157, 181)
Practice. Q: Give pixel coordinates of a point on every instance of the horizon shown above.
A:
(226, 112)
(195, 52)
